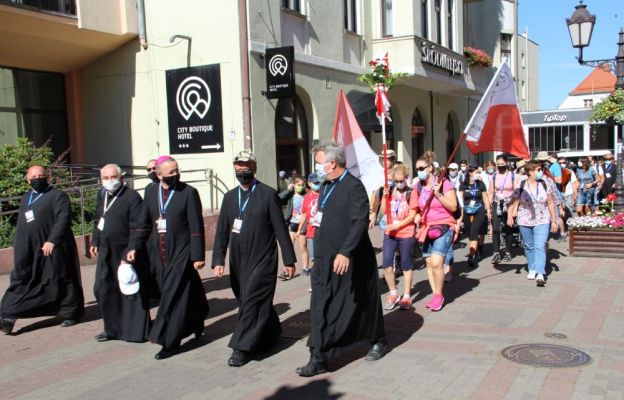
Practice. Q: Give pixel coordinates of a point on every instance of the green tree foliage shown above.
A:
(610, 110)
(15, 160)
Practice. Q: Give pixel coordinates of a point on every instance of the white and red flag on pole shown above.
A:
(382, 103)
(496, 124)
(362, 162)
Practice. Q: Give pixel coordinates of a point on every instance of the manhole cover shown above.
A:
(297, 326)
(554, 335)
(546, 355)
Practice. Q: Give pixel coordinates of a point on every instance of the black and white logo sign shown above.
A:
(193, 97)
(194, 109)
(280, 75)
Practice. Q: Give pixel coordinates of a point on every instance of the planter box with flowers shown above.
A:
(598, 235)
(477, 57)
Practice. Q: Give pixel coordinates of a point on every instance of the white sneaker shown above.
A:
(531, 275)
(540, 280)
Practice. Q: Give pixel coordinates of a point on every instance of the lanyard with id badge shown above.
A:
(318, 218)
(161, 222)
(238, 222)
(30, 214)
(107, 207)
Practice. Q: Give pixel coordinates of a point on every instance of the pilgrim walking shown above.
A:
(46, 277)
(251, 220)
(178, 251)
(122, 271)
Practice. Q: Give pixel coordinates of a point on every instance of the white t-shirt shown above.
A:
(568, 190)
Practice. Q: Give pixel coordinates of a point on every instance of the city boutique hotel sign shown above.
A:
(440, 57)
(194, 109)
(280, 74)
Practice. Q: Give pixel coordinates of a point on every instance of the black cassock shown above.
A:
(126, 317)
(253, 262)
(344, 309)
(44, 285)
(183, 305)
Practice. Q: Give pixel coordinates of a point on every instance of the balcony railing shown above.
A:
(65, 7)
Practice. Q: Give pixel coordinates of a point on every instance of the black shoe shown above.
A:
(311, 369)
(507, 256)
(472, 262)
(376, 351)
(6, 326)
(199, 333)
(68, 322)
(238, 358)
(165, 353)
(102, 337)
(496, 259)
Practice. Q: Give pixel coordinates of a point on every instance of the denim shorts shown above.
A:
(439, 246)
(585, 197)
(406, 251)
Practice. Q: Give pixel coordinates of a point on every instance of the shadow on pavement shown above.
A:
(214, 284)
(92, 313)
(220, 306)
(316, 389)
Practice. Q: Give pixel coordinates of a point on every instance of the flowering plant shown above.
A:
(586, 223)
(606, 206)
(380, 74)
(610, 110)
(477, 56)
(616, 221)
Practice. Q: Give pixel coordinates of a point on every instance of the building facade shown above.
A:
(97, 78)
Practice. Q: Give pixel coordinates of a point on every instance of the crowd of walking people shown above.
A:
(152, 247)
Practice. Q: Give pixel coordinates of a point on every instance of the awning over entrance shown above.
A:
(363, 105)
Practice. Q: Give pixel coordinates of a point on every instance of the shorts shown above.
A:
(406, 251)
(439, 246)
(449, 258)
(310, 245)
(585, 197)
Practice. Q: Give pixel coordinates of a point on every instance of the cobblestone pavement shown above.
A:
(451, 354)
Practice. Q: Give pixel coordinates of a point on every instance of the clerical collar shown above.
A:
(338, 178)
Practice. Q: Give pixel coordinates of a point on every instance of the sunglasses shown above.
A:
(421, 168)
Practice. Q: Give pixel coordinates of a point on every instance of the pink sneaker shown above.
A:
(436, 303)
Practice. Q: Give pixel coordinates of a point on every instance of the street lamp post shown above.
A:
(581, 26)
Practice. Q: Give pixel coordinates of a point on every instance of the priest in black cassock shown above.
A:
(345, 306)
(119, 236)
(46, 276)
(178, 251)
(250, 220)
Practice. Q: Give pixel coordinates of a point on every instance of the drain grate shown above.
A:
(297, 326)
(546, 355)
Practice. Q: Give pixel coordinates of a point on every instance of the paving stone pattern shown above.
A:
(451, 354)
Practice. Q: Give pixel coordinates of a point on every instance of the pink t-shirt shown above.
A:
(502, 185)
(533, 204)
(399, 210)
(437, 212)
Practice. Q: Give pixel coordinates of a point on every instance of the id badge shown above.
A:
(316, 221)
(238, 224)
(472, 203)
(100, 225)
(161, 225)
(30, 215)
(608, 175)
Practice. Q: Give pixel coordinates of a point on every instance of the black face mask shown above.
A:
(152, 175)
(39, 184)
(172, 180)
(502, 168)
(244, 177)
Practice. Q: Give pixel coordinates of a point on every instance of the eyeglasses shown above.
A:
(151, 169)
(421, 168)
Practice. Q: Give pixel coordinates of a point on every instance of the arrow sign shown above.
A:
(212, 146)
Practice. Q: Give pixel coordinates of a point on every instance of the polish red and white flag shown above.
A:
(362, 161)
(496, 124)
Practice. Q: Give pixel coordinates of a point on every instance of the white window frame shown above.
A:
(291, 6)
(348, 9)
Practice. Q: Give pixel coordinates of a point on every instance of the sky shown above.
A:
(559, 71)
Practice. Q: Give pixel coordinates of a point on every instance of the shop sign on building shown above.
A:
(441, 58)
(280, 72)
(194, 108)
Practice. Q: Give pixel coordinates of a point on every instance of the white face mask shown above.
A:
(319, 169)
(112, 185)
(401, 185)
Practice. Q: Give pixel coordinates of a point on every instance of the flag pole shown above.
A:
(385, 162)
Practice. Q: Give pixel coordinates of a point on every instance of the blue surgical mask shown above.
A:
(539, 175)
(607, 162)
(490, 171)
(423, 175)
(319, 169)
(316, 187)
(453, 174)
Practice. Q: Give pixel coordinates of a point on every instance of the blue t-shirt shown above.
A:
(555, 169)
